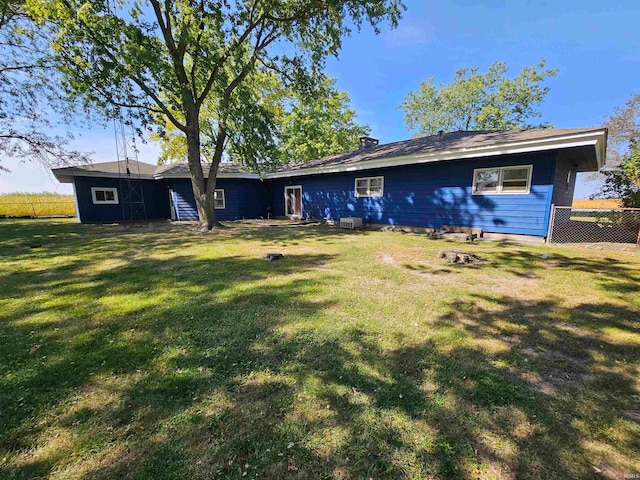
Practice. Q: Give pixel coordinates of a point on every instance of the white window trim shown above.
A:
(224, 202)
(104, 189)
(500, 180)
(369, 195)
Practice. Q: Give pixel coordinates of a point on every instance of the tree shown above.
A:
(29, 92)
(621, 179)
(320, 125)
(167, 58)
(477, 101)
(624, 130)
(302, 127)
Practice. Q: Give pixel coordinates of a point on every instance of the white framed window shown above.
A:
(369, 187)
(502, 180)
(104, 195)
(218, 199)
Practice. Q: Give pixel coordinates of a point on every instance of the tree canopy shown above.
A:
(478, 101)
(314, 126)
(301, 127)
(622, 177)
(166, 59)
(29, 92)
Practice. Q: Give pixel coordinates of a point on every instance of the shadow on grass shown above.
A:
(188, 367)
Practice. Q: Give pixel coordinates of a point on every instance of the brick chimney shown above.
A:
(367, 142)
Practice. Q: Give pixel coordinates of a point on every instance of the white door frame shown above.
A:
(288, 188)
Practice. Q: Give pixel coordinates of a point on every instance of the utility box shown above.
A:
(351, 222)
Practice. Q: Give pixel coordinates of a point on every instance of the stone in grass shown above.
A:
(456, 256)
(272, 257)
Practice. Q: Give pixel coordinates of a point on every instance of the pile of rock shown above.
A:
(456, 256)
(463, 234)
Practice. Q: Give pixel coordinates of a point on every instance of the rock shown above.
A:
(462, 237)
(456, 256)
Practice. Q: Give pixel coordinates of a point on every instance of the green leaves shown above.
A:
(165, 62)
(623, 182)
(477, 101)
(271, 123)
(319, 125)
(622, 179)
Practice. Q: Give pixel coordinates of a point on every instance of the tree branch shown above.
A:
(138, 81)
(230, 50)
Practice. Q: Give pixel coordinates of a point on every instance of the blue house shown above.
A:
(503, 182)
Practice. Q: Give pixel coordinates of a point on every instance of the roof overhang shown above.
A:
(66, 174)
(596, 138)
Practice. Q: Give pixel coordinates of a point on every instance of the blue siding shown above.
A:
(426, 195)
(430, 195)
(244, 198)
(156, 198)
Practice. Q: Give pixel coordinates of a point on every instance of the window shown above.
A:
(104, 195)
(369, 187)
(502, 180)
(218, 199)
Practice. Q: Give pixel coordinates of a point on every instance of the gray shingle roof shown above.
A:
(183, 169)
(110, 167)
(446, 142)
(432, 144)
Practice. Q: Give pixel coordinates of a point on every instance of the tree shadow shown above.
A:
(239, 368)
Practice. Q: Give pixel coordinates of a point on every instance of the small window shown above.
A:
(218, 199)
(502, 180)
(370, 187)
(104, 195)
(486, 180)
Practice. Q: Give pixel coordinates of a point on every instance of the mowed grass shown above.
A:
(45, 204)
(158, 353)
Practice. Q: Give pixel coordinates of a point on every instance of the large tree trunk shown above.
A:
(203, 195)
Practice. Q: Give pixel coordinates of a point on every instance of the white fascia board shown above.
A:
(596, 139)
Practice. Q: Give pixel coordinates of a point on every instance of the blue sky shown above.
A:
(593, 43)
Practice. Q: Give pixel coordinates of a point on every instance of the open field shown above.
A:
(157, 353)
(15, 205)
(596, 203)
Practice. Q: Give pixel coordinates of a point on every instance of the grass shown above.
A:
(158, 353)
(16, 205)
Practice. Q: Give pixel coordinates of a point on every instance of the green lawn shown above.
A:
(159, 353)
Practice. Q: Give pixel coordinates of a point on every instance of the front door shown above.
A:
(293, 201)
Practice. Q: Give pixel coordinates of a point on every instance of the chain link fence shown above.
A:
(594, 225)
(37, 209)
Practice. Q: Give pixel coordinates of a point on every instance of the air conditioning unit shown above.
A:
(351, 222)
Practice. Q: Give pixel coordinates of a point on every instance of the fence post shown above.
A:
(33, 209)
(551, 222)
